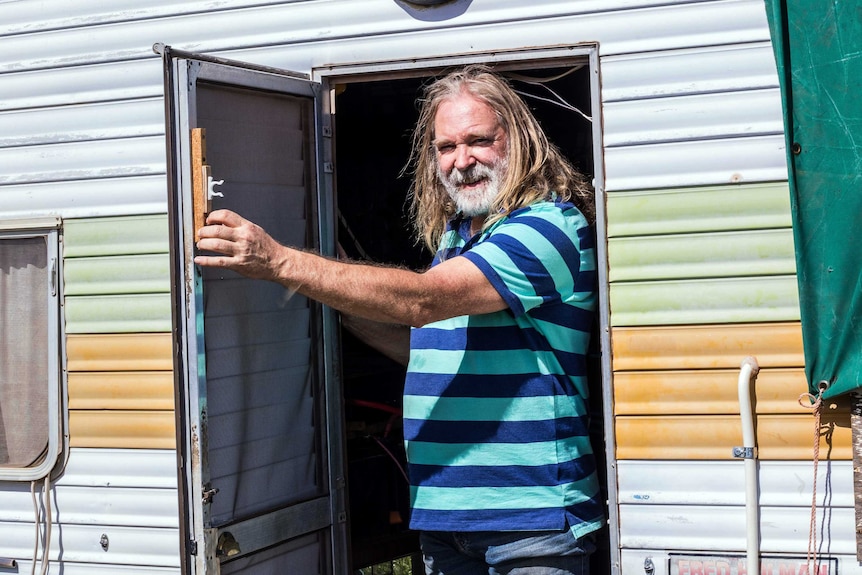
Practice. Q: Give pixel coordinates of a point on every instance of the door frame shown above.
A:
(331, 75)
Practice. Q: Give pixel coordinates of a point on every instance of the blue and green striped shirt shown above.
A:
(495, 405)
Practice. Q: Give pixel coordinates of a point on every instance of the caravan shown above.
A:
(175, 420)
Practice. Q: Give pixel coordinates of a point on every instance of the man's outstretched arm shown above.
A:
(384, 294)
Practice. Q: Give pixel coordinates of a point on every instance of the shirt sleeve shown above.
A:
(538, 256)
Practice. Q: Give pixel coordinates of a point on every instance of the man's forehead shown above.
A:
(465, 114)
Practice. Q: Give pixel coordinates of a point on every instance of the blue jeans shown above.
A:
(506, 553)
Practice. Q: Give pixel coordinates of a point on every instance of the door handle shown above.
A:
(203, 184)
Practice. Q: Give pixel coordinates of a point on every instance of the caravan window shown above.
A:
(29, 353)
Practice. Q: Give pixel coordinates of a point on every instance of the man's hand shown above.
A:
(245, 247)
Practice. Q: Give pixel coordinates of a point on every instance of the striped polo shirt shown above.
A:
(495, 405)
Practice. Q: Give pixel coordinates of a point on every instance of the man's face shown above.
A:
(472, 153)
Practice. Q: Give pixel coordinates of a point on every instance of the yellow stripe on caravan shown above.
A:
(134, 390)
(701, 437)
(707, 346)
(712, 391)
(122, 429)
(121, 391)
(119, 352)
(676, 394)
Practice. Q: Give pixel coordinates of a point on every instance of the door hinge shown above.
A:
(193, 547)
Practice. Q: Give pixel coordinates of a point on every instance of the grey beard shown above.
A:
(478, 202)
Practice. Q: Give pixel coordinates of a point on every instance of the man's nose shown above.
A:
(464, 157)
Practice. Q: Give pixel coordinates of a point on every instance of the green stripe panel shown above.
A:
(707, 301)
(146, 313)
(716, 255)
(707, 209)
(148, 273)
(115, 236)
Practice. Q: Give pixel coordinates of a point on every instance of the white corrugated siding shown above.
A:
(81, 129)
(130, 496)
(675, 506)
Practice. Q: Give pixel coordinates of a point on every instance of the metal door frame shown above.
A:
(525, 58)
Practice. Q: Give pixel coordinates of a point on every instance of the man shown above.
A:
(495, 402)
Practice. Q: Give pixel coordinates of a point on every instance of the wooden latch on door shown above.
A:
(203, 185)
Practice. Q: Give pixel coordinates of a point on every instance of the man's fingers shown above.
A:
(211, 261)
(225, 217)
(213, 243)
(219, 231)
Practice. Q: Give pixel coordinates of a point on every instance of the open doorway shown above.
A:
(373, 123)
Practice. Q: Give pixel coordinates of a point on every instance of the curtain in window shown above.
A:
(24, 377)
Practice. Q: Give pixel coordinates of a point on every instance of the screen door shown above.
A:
(258, 424)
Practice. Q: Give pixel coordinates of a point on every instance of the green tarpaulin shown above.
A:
(818, 49)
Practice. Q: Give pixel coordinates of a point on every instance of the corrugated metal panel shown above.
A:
(118, 314)
(116, 236)
(129, 495)
(705, 347)
(708, 529)
(119, 352)
(698, 163)
(707, 69)
(676, 394)
(103, 121)
(31, 19)
(683, 118)
(80, 543)
(85, 198)
(782, 483)
(141, 468)
(122, 429)
(705, 301)
(131, 307)
(301, 35)
(761, 252)
(148, 273)
(80, 160)
(38, 17)
(69, 568)
(117, 281)
(135, 390)
(344, 27)
(704, 391)
(97, 506)
(92, 83)
(121, 391)
(779, 437)
(707, 209)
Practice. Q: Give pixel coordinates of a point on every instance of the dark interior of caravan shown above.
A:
(372, 130)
